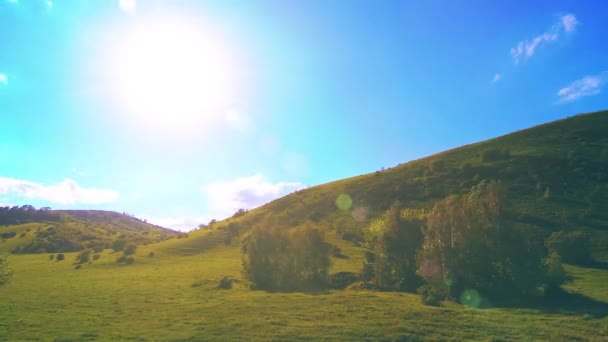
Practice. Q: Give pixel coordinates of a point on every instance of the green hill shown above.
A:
(27, 230)
(556, 177)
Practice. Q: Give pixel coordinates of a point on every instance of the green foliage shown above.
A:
(60, 257)
(55, 231)
(468, 245)
(119, 245)
(283, 260)
(84, 256)
(432, 295)
(392, 243)
(130, 249)
(6, 273)
(573, 247)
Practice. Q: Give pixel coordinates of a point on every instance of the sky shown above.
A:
(180, 112)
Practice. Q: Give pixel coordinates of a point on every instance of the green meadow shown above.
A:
(173, 297)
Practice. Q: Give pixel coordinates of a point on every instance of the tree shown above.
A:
(390, 262)
(6, 273)
(277, 259)
(468, 245)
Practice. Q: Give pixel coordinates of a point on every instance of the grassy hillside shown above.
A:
(73, 230)
(556, 176)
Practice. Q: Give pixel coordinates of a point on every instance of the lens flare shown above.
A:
(344, 202)
(470, 297)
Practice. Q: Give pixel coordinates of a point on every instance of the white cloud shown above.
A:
(526, 48)
(569, 22)
(246, 193)
(128, 6)
(586, 86)
(3, 79)
(496, 78)
(181, 223)
(64, 192)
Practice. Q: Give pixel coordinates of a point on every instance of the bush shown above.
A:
(60, 257)
(130, 249)
(125, 260)
(77, 267)
(6, 273)
(151, 255)
(52, 257)
(119, 245)
(431, 295)
(84, 256)
(96, 256)
(277, 259)
(225, 283)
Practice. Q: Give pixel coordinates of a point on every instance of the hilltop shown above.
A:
(28, 230)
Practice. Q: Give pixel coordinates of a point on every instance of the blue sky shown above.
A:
(184, 111)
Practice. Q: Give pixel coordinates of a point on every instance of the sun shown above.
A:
(172, 72)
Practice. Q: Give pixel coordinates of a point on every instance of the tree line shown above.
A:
(464, 245)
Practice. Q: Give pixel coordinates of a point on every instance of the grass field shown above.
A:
(171, 297)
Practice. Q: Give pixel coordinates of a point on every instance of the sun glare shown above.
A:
(170, 72)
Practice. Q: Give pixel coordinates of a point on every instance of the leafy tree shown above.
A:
(390, 262)
(6, 273)
(282, 260)
(468, 245)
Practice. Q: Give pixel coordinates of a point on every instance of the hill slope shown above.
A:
(27, 230)
(556, 176)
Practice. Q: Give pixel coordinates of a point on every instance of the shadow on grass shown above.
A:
(563, 302)
(600, 265)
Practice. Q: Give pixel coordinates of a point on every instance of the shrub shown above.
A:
(125, 260)
(278, 259)
(6, 273)
(60, 257)
(119, 245)
(52, 257)
(431, 295)
(151, 255)
(77, 267)
(130, 249)
(84, 256)
(96, 256)
(225, 283)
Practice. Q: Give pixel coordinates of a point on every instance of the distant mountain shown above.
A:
(28, 230)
